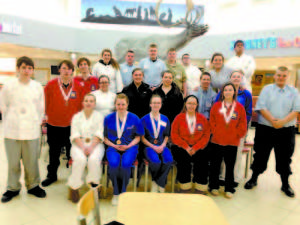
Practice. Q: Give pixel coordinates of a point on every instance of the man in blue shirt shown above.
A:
(205, 95)
(152, 67)
(278, 106)
(127, 67)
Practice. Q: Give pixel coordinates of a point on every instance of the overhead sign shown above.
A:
(269, 43)
(10, 28)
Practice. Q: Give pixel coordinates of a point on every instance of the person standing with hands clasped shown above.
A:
(87, 148)
(157, 132)
(228, 124)
(122, 132)
(278, 106)
(190, 135)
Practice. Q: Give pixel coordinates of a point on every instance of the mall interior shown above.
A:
(51, 31)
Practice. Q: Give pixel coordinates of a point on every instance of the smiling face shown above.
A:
(205, 81)
(239, 48)
(121, 105)
(236, 78)
(153, 53)
(281, 77)
(137, 77)
(106, 57)
(167, 79)
(25, 71)
(191, 105)
(129, 58)
(217, 62)
(155, 104)
(84, 67)
(89, 102)
(172, 55)
(228, 93)
(104, 84)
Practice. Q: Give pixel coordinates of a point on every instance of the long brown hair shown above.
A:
(184, 109)
(222, 91)
(114, 62)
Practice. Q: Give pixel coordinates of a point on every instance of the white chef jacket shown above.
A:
(81, 127)
(22, 108)
(116, 83)
(193, 77)
(105, 102)
(246, 63)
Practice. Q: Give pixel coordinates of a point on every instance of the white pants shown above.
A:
(80, 161)
(238, 170)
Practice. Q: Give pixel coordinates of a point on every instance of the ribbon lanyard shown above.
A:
(156, 130)
(191, 123)
(224, 112)
(120, 130)
(66, 97)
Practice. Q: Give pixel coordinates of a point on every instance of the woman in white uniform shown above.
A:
(104, 97)
(87, 147)
(110, 67)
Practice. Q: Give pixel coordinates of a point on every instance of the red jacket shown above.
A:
(88, 85)
(231, 133)
(59, 114)
(180, 134)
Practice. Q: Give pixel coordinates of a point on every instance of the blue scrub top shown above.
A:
(133, 128)
(149, 132)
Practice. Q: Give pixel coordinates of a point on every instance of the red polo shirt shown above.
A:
(58, 111)
(231, 133)
(181, 136)
(88, 85)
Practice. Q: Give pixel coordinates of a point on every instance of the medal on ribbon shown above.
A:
(191, 124)
(65, 96)
(224, 112)
(120, 130)
(156, 130)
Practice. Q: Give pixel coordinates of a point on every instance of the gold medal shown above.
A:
(87, 140)
(119, 142)
(155, 141)
(66, 104)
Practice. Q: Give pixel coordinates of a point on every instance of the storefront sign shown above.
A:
(269, 43)
(10, 28)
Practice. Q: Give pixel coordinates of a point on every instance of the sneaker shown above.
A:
(37, 192)
(47, 182)
(215, 192)
(74, 195)
(200, 189)
(288, 191)
(115, 200)
(9, 195)
(161, 189)
(228, 195)
(250, 184)
(154, 187)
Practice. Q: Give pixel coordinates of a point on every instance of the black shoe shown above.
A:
(250, 184)
(235, 184)
(288, 191)
(9, 195)
(47, 182)
(37, 192)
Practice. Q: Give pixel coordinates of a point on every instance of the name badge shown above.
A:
(73, 95)
(162, 123)
(199, 127)
(93, 87)
(234, 115)
(208, 104)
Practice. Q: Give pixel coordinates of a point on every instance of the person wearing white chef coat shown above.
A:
(243, 62)
(105, 99)
(87, 147)
(110, 67)
(22, 106)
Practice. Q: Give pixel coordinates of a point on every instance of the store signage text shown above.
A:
(10, 28)
(269, 43)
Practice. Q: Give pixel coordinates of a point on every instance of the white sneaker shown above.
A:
(154, 187)
(215, 192)
(115, 200)
(161, 189)
(228, 195)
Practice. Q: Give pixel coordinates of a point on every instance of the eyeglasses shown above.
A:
(105, 82)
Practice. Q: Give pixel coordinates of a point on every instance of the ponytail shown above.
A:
(114, 62)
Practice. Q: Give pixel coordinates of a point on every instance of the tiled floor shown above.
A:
(265, 205)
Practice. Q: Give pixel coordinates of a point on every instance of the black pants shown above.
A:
(184, 165)
(218, 153)
(57, 137)
(283, 142)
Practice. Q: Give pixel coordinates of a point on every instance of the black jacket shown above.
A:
(172, 102)
(139, 98)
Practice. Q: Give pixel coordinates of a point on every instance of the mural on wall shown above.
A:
(132, 12)
(189, 19)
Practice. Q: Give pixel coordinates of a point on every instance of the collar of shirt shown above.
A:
(282, 90)
(66, 86)
(172, 65)
(154, 59)
(129, 65)
(102, 62)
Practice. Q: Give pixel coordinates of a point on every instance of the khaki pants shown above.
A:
(29, 152)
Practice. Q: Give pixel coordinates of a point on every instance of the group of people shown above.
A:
(165, 112)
